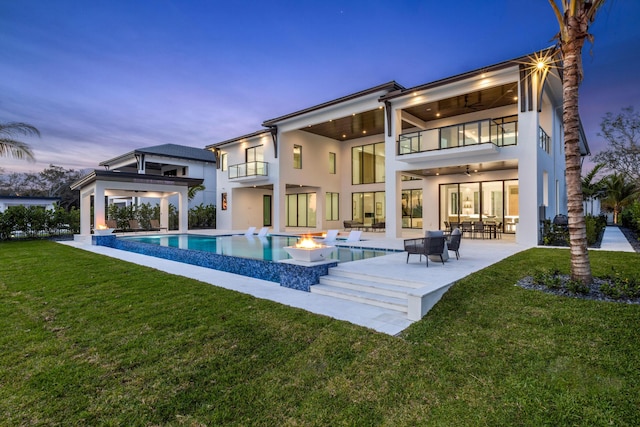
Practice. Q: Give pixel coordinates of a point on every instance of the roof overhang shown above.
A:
(135, 178)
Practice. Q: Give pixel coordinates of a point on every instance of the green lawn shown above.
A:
(88, 340)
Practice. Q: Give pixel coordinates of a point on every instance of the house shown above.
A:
(47, 203)
(483, 145)
(159, 174)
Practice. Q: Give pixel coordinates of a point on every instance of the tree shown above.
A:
(194, 190)
(10, 147)
(592, 189)
(622, 133)
(619, 192)
(574, 18)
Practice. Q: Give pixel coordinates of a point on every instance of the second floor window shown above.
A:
(223, 161)
(332, 163)
(367, 164)
(255, 154)
(297, 157)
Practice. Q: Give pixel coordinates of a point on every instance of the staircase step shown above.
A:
(337, 271)
(397, 304)
(358, 284)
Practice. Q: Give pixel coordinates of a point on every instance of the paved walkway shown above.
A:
(614, 240)
(474, 255)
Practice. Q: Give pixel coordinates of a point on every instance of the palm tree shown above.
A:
(592, 189)
(619, 192)
(194, 190)
(574, 18)
(10, 147)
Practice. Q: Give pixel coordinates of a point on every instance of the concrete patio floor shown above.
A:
(475, 254)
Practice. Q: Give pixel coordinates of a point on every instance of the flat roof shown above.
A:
(103, 175)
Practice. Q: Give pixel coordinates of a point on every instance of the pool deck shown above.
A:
(475, 254)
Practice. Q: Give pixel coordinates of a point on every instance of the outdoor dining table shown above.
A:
(492, 227)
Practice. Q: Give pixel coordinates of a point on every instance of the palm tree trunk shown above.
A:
(571, 51)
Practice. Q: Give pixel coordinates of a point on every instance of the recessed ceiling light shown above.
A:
(344, 136)
(515, 98)
(437, 114)
(437, 173)
(428, 109)
(364, 131)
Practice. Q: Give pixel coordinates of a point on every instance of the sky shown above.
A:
(101, 78)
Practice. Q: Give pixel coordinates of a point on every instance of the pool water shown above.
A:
(268, 248)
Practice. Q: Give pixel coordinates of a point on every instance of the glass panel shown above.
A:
(332, 163)
(356, 213)
(380, 207)
(512, 216)
(368, 162)
(492, 202)
(297, 157)
(449, 137)
(356, 162)
(485, 135)
(266, 210)
(471, 134)
(302, 210)
(291, 206)
(449, 204)
(470, 201)
(368, 207)
(312, 209)
(379, 166)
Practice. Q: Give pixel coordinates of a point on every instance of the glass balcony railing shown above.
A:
(249, 169)
(500, 132)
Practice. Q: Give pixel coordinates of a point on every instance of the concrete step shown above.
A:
(377, 287)
(375, 299)
(337, 271)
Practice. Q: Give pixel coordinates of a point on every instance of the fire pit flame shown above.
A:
(307, 243)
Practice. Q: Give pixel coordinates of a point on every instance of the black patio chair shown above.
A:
(431, 245)
(453, 244)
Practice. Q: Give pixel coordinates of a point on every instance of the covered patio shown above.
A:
(98, 185)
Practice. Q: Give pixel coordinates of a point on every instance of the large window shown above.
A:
(255, 154)
(297, 157)
(223, 161)
(301, 210)
(332, 208)
(412, 208)
(368, 208)
(495, 201)
(367, 164)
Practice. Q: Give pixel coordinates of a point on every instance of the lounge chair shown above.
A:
(431, 245)
(250, 231)
(111, 223)
(354, 236)
(134, 225)
(379, 226)
(352, 225)
(453, 244)
(331, 236)
(155, 225)
(263, 231)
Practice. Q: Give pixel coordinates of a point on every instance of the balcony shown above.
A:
(250, 171)
(484, 136)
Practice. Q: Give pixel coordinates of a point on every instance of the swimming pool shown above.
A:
(268, 248)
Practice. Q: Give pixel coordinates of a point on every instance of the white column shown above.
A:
(183, 210)
(279, 212)
(164, 212)
(393, 184)
(85, 211)
(530, 191)
(99, 205)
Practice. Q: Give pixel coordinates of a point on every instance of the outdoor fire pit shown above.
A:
(103, 230)
(309, 250)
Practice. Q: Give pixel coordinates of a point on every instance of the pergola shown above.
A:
(101, 184)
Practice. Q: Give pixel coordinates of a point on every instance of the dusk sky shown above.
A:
(103, 77)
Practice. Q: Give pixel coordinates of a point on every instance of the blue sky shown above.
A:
(100, 78)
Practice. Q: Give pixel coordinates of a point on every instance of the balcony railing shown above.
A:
(500, 132)
(249, 169)
(544, 140)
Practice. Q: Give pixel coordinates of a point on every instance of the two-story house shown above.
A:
(486, 145)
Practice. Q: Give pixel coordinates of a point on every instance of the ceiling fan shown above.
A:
(472, 106)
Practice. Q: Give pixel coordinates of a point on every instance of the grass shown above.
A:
(89, 340)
